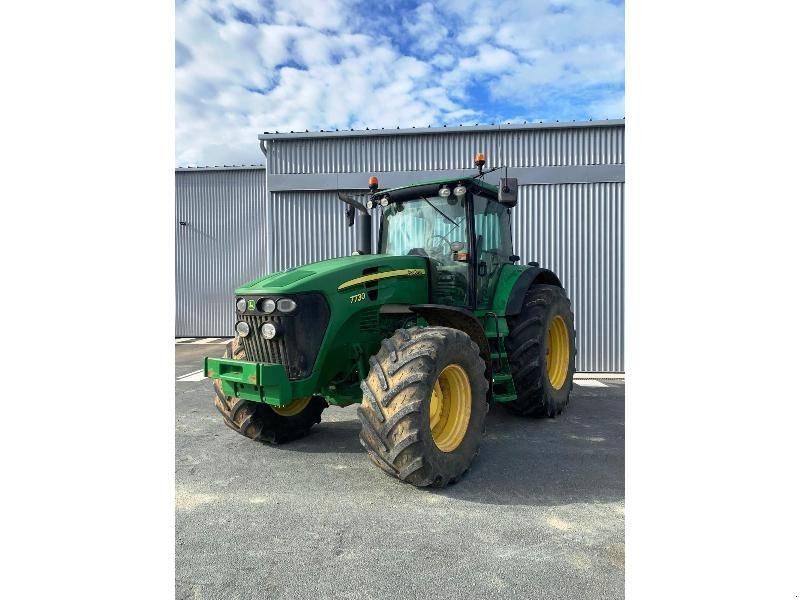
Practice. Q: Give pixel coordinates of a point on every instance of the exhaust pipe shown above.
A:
(364, 232)
(363, 219)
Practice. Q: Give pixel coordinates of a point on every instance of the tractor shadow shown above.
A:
(330, 437)
(577, 457)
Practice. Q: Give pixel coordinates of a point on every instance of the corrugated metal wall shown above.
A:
(576, 229)
(517, 148)
(222, 245)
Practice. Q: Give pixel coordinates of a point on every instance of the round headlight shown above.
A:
(268, 330)
(459, 190)
(243, 329)
(385, 201)
(285, 305)
(444, 192)
(241, 305)
(268, 305)
(370, 204)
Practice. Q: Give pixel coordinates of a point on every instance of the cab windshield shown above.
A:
(436, 228)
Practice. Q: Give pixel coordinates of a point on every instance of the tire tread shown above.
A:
(390, 413)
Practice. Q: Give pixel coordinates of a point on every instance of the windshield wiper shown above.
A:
(437, 210)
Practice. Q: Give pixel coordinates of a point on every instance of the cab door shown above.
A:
(493, 246)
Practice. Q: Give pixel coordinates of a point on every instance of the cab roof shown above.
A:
(404, 190)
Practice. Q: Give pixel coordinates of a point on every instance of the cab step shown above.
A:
(504, 397)
(501, 378)
(491, 333)
(498, 329)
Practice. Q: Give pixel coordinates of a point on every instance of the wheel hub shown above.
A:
(557, 352)
(450, 408)
(290, 410)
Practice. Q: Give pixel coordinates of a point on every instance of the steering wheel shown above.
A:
(446, 243)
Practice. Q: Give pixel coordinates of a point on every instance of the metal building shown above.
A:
(237, 223)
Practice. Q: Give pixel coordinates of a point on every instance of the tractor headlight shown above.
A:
(370, 204)
(444, 192)
(243, 329)
(241, 305)
(268, 306)
(269, 331)
(385, 201)
(460, 190)
(286, 305)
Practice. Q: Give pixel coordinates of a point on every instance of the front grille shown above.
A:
(300, 334)
(260, 349)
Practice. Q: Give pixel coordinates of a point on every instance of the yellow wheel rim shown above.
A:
(451, 406)
(557, 352)
(292, 409)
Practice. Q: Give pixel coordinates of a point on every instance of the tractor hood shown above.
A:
(343, 274)
(337, 312)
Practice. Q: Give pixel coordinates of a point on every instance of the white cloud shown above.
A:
(329, 14)
(426, 28)
(245, 66)
(569, 43)
(475, 34)
(488, 60)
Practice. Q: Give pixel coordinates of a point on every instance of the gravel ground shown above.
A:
(539, 515)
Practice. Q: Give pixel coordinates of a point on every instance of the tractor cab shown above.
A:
(458, 226)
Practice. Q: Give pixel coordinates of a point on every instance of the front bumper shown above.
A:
(257, 382)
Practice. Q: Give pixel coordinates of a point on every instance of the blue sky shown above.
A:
(248, 66)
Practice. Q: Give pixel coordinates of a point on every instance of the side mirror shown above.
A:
(350, 207)
(507, 191)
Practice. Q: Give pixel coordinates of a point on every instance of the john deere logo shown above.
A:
(251, 305)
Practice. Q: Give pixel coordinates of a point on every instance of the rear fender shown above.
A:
(529, 277)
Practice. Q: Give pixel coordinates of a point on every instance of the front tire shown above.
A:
(262, 422)
(424, 405)
(541, 352)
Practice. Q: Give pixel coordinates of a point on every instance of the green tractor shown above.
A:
(424, 333)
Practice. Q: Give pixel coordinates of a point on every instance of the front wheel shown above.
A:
(262, 422)
(424, 405)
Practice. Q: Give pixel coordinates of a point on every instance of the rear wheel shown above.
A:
(541, 352)
(424, 405)
(263, 422)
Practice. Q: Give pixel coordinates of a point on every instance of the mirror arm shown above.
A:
(351, 201)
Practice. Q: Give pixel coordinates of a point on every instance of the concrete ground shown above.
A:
(539, 515)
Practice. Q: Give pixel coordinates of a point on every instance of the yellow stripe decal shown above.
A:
(384, 275)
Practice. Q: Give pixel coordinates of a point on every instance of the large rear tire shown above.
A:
(424, 405)
(541, 352)
(262, 422)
